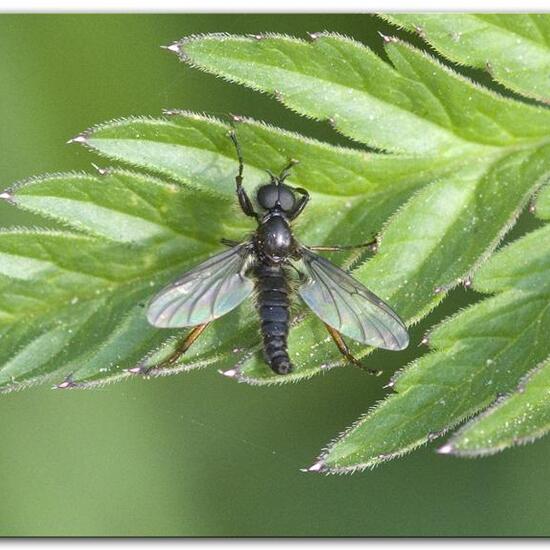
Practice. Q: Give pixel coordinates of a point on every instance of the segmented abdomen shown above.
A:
(273, 306)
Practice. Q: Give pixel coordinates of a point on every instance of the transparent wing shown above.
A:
(205, 293)
(346, 305)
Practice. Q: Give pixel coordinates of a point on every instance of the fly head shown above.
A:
(276, 195)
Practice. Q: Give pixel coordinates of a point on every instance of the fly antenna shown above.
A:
(274, 179)
(286, 170)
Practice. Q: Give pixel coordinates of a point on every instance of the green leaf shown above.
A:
(360, 190)
(417, 106)
(329, 71)
(542, 206)
(121, 206)
(145, 231)
(481, 354)
(73, 305)
(457, 221)
(514, 48)
(464, 162)
(519, 418)
(523, 415)
(456, 234)
(435, 242)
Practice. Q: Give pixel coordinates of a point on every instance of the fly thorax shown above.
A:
(274, 239)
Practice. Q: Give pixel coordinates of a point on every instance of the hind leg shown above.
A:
(346, 352)
(171, 361)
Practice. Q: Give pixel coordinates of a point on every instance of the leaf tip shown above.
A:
(317, 467)
(7, 196)
(81, 138)
(174, 47)
(139, 369)
(231, 373)
(66, 384)
(236, 118)
(446, 449)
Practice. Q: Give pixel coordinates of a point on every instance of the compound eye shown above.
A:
(268, 196)
(286, 198)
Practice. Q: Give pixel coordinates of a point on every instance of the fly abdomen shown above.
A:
(273, 308)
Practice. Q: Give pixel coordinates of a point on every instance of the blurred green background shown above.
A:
(198, 454)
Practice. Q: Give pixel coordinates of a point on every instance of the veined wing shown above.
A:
(346, 305)
(205, 293)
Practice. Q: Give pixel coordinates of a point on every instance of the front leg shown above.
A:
(337, 248)
(301, 204)
(244, 201)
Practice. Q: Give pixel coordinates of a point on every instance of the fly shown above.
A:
(261, 265)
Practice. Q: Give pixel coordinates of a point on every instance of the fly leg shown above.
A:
(301, 204)
(229, 242)
(345, 351)
(336, 248)
(170, 362)
(244, 200)
(304, 199)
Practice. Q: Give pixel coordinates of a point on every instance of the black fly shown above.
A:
(261, 263)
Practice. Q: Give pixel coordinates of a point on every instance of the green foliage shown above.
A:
(519, 418)
(459, 165)
(417, 106)
(72, 304)
(139, 233)
(481, 354)
(514, 48)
